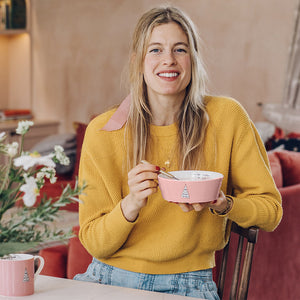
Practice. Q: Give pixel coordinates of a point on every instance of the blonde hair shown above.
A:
(193, 118)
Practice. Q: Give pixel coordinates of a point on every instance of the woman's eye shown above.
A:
(180, 50)
(154, 50)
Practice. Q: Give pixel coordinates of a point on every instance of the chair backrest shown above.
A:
(242, 267)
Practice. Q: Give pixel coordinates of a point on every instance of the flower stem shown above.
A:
(6, 175)
(22, 144)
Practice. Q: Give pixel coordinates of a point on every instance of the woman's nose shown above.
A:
(169, 58)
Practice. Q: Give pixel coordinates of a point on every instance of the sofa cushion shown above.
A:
(78, 257)
(276, 168)
(55, 261)
(290, 164)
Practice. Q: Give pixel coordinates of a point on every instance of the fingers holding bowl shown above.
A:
(187, 207)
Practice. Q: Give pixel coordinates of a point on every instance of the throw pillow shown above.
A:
(291, 144)
(290, 164)
(276, 168)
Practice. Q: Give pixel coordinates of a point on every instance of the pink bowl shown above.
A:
(192, 187)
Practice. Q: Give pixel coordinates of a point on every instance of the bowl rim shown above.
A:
(164, 177)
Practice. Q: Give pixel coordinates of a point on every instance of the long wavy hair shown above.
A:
(192, 118)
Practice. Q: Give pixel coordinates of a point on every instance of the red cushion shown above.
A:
(290, 164)
(55, 261)
(279, 133)
(276, 168)
(78, 257)
(294, 135)
(80, 131)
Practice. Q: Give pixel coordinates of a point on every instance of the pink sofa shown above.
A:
(276, 260)
(276, 264)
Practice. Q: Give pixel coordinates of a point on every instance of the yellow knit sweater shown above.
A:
(164, 239)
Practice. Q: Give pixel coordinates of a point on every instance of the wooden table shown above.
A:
(52, 288)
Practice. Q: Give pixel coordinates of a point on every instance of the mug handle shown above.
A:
(42, 262)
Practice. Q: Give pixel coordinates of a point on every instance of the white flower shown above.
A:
(23, 127)
(60, 155)
(2, 136)
(58, 148)
(12, 149)
(30, 190)
(28, 161)
(48, 173)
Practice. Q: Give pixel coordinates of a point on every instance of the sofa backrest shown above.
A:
(80, 131)
(276, 168)
(285, 167)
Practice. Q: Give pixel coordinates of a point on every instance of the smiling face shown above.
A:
(167, 64)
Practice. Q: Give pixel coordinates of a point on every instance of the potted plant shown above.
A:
(26, 227)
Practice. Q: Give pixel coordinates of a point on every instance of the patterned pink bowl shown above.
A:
(192, 187)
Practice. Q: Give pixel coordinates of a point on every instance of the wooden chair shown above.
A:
(240, 283)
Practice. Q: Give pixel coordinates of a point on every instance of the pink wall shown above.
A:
(80, 49)
(3, 73)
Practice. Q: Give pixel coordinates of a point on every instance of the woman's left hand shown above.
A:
(219, 204)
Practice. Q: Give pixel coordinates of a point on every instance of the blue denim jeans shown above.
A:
(198, 284)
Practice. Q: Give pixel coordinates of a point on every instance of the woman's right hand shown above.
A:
(142, 182)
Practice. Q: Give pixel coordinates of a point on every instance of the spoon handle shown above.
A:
(168, 174)
(161, 171)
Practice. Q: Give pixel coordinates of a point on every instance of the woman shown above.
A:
(138, 239)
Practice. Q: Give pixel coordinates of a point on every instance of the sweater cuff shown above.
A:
(119, 214)
(131, 222)
(227, 210)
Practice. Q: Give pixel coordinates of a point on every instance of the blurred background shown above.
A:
(68, 64)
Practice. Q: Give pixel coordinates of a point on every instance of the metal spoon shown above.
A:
(162, 171)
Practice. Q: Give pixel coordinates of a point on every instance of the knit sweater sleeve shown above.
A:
(256, 200)
(103, 228)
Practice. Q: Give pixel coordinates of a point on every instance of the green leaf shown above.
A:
(15, 247)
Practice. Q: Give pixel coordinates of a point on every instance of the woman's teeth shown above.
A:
(168, 74)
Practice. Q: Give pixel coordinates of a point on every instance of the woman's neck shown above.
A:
(165, 109)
